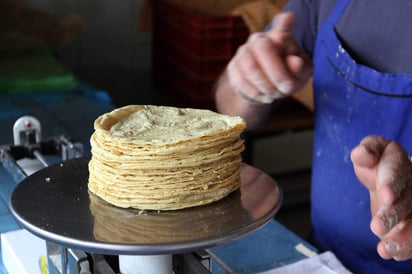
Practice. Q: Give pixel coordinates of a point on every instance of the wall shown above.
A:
(109, 53)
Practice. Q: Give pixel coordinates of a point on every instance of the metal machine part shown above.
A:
(54, 204)
(26, 130)
(79, 262)
(62, 185)
(195, 262)
(63, 260)
(29, 145)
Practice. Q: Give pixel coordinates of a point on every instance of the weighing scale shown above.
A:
(54, 203)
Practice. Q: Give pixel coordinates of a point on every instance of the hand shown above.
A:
(269, 65)
(385, 170)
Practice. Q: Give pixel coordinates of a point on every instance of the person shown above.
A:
(358, 54)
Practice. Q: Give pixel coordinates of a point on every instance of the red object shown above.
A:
(190, 51)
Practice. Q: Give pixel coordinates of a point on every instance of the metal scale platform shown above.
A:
(54, 204)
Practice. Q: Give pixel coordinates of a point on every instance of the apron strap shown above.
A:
(338, 10)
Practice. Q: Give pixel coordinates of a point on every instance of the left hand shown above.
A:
(385, 170)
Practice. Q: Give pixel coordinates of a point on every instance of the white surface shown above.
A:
(21, 252)
(157, 264)
(30, 165)
(325, 263)
(301, 248)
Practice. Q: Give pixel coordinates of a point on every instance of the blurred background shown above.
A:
(167, 52)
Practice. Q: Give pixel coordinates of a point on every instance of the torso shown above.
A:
(375, 32)
(361, 88)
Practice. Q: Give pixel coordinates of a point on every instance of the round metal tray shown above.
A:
(55, 204)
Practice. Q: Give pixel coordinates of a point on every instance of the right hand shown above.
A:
(269, 65)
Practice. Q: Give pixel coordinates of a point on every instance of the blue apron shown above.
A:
(351, 102)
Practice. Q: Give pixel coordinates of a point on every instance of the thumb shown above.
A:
(282, 28)
(282, 35)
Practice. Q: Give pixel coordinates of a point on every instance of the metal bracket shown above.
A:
(26, 130)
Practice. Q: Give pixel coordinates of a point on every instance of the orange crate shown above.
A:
(201, 35)
(190, 50)
(189, 63)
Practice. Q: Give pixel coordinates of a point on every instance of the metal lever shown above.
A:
(26, 130)
(69, 148)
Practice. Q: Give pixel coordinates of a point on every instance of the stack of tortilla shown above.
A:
(164, 158)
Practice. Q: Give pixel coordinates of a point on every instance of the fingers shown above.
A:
(365, 158)
(282, 49)
(269, 65)
(393, 169)
(248, 63)
(387, 217)
(296, 65)
(398, 243)
(380, 165)
(393, 190)
(368, 152)
(252, 86)
(282, 34)
(385, 170)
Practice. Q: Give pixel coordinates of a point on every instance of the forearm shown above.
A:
(229, 102)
